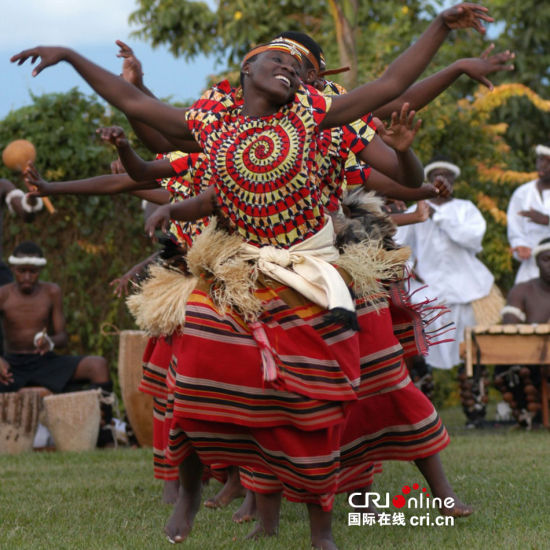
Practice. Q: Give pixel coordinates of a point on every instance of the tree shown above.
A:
(89, 240)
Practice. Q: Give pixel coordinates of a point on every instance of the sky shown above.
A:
(91, 28)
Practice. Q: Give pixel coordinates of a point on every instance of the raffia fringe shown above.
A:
(370, 267)
(158, 306)
(216, 254)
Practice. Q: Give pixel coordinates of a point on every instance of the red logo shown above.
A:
(399, 501)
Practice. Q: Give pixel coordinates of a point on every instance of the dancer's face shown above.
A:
(275, 74)
(26, 277)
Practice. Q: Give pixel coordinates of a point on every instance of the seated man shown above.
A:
(34, 324)
(528, 302)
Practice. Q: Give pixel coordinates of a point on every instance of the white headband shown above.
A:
(542, 150)
(540, 248)
(27, 260)
(442, 164)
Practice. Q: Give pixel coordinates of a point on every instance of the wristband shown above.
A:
(32, 207)
(43, 335)
(12, 195)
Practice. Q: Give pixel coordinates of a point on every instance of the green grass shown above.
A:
(109, 500)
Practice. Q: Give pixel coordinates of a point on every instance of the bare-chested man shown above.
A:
(34, 324)
(528, 302)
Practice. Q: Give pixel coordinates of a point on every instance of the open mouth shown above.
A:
(283, 79)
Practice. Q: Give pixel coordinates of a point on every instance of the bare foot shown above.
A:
(268, 508)
(170, 491)
(259, 532)
(459, 510)
(181, 521)
(247, 510)
(324, 544)
(229, 492)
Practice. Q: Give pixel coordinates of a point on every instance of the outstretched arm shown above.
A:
(108, 184)
(406, 68)
(136, 167)
(477, 68)
(198, 207)
(132, 72)
(119, 93)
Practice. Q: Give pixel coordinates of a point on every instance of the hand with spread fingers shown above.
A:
(132, 70)
(466, 15)
(401, 131)
(48, 55)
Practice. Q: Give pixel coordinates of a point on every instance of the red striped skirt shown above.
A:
(156, 362)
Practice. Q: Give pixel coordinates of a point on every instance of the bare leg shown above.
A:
(170, 491)
(320, 524)
(229, 492)
(94, 369)
(432, 469)
(189, 498)
(247, 510)
(268, 507)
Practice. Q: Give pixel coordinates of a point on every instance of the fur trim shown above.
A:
(159, 304)
(215, 255)
(364, 220)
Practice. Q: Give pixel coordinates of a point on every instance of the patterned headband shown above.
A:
(291, 47)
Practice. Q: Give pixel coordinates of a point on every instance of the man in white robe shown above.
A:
(444, 261)
(529, 216)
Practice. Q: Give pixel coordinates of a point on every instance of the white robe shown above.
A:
(521, 230)
(444, 249)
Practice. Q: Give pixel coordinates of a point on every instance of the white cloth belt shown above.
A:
(305, 267)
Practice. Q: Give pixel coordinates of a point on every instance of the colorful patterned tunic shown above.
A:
(338, 165)
(264, 168)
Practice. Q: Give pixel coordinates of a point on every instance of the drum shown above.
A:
(487, 309)
(19, 414)
(138, 405)
(73, 419)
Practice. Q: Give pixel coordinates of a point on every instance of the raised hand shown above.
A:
(478, 67)
(38, 186)
(120, 285)
(132, 70)
(160, 218)
(443, 186)
(466, 15)
(114, 135)
(423, 211)
(48, 55)
(401, 131)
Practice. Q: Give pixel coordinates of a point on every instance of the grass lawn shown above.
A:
(109, 500)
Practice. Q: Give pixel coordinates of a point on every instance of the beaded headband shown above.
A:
(27, 260)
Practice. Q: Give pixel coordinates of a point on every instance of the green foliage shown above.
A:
(88, 241)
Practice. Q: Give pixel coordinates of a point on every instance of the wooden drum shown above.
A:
(73, 419)
(19, 414)
(138, 405)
